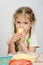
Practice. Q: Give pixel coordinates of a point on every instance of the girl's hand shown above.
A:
(16, 37)
(22, 38)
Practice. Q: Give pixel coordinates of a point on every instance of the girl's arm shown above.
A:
(32, 49)
(11, 47)
(25, 49)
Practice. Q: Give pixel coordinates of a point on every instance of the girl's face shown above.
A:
(22, 21)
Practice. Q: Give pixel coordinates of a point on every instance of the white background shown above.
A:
(7, 8)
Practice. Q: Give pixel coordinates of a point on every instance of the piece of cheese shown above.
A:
(24, 56)
(20, 30)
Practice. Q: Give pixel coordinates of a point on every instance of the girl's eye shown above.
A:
(18, 21)
(25, 22)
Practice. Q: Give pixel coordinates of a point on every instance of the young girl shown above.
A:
(23, 39)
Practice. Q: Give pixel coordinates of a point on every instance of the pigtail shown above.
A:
(30, 32)
(16, 45)
(29, 37)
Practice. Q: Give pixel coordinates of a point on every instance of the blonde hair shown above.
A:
(24, 10)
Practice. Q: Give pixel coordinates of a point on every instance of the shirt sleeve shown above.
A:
(34, 41)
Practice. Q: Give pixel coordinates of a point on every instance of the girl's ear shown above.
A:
(32, 23)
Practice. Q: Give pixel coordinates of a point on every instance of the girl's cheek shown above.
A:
(17, 26)
(27, 29)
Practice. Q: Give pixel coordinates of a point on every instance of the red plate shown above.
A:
(20, 62)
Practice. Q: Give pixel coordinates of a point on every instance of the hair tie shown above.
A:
(32, 13)
(28, 40)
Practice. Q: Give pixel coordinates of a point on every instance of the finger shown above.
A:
(20, 35)
(16, 37)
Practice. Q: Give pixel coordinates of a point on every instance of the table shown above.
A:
(39, 60)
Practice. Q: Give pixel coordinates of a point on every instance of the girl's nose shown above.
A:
(22, 25)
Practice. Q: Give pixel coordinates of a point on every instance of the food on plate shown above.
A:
(24, 56)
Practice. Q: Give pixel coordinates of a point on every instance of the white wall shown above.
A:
(7, 8)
